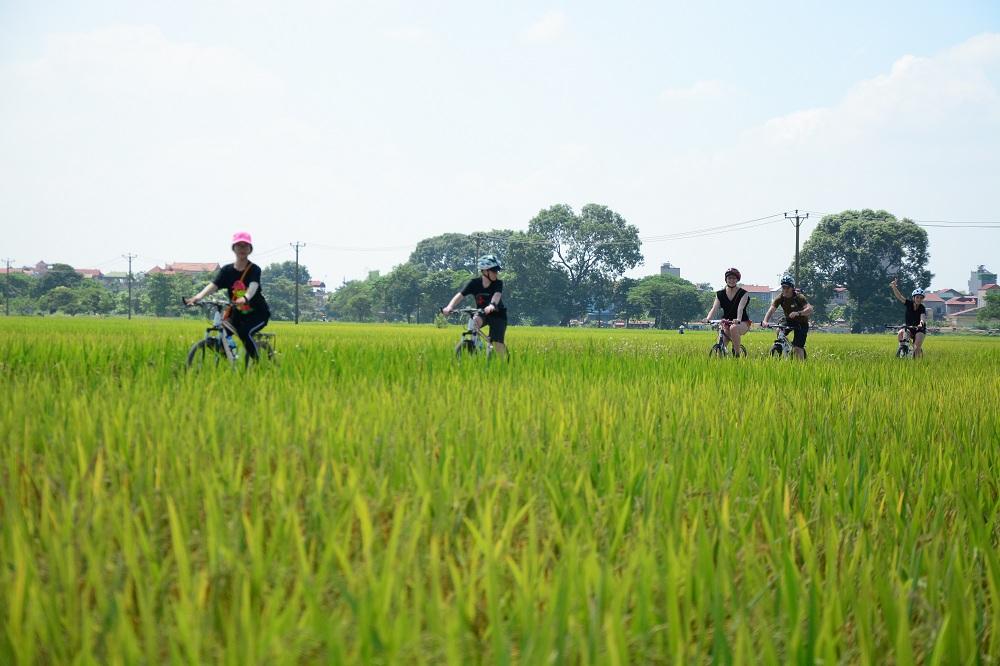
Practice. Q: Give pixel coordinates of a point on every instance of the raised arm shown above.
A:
(452, 303)
(895, 291)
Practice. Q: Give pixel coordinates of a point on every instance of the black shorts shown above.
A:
(917, 329)
(799, 333)
(498, 325)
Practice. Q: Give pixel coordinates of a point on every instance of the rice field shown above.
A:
(608, 497)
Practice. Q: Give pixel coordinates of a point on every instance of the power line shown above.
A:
(6, 295)
(130, 257)
(799, 219)
(297, 245)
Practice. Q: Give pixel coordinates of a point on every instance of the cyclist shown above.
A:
(241, 279)
(916, 317)
(733, 301)
(797, 310)
(487, 289)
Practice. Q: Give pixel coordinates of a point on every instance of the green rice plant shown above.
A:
(607, 497)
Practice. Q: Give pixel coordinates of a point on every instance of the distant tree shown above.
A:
(280, 294)
(285, 269)
(862, 251)
(59, 299)
(58, 275)
(620, 303)
(94, 298)
(351, 301)
(669, 299)
(590, 249)
(453, 252)
(403, 286)
(990, 312)
(436, 289)
(534, 289)
(160, 293)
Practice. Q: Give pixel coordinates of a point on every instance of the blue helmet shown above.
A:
(488, 261)
(787, 280)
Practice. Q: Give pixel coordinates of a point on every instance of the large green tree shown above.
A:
(58, 275)
(669, 299)
(458, 252)
(863, 250)
(285, 269)
(591, 249)
(534, 288)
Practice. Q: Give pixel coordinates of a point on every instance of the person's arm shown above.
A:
(715, 306)
(494, 302)
(742, 306)
(452, 303)
(209, 289)
(895, 292)
(807, 310)
(767, 317)
(251, 290)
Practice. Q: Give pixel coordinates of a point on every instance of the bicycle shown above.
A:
(905, 349)
(782, 345)
(219, 344)
(719, 349)
(473, 341)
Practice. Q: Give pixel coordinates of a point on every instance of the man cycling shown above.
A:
(797, 310)
(733, 300)
(487, 289)
(916, 317)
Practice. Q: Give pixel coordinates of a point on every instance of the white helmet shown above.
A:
(917, 292)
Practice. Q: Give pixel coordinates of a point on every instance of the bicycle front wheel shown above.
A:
(465, 348)
(717, 351)
(205, 354)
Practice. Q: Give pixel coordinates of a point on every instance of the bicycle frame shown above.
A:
(782, 345)
(721, 348)
(905, 349)
(219, 336)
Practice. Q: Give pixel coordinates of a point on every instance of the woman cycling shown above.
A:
(733, 301)
(241, 279)
(916, 317)
(487, 289)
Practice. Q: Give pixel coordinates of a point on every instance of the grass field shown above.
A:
(607, 497)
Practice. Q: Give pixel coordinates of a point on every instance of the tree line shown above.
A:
(566, 266)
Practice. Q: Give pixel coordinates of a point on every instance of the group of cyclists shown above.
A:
(250, 313)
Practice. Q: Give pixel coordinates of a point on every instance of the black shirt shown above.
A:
(227, 277)
(729, 307)
(913, 316)
(484, 295)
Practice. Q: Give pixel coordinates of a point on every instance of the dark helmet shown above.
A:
(734, 271)
(787, 280)
(488, 261)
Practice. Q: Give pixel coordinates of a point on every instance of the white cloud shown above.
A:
(701, 90)
(919, 95)
(547, 29)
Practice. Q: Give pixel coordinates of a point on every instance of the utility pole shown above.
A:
(475, 260)
(6, 291)
(797, 221)
(130, 257)
(296, 245)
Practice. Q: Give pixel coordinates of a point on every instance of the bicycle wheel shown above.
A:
(265, 349)
(205, 354)
(465, 348)
(717, 351)
(902, 352)
(777, 351)
(743, 351)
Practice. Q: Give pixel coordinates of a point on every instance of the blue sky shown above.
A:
(362, 127)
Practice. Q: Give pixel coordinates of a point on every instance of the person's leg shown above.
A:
(245, 329)
(498, 332)
(736, 332)
(918, 345)
(799, 342)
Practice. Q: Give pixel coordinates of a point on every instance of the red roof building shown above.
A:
(184, 268)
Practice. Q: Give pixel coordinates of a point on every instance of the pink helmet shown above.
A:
(242, 237)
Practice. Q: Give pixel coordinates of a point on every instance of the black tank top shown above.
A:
(729, 307)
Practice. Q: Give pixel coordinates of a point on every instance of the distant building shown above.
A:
(317, 286)
(965, 318)
(960, 303)
(840, 298)
(762, 293)
(89, 273)
(980, 277)
(985, 289)
(948, 294)
(669, 269)
(935, 306)
(184, 268)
